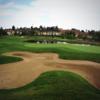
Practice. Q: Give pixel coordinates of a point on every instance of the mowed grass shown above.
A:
(54, 85)
(8, 59)
(65, 51)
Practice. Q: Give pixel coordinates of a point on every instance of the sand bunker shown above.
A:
(14, 75)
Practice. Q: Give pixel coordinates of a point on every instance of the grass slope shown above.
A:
(54, 85)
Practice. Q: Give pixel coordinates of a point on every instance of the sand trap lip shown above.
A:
(14, 75)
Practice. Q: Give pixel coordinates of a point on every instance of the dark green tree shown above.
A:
(2, 32)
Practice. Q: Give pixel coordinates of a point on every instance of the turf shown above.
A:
(54, 85)
(65, 51)
(9, 59)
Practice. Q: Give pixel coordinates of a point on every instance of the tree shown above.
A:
(41, 29)
(32, 32)
(13, 28)
(2, 32)
(69, 35)
(96, 36)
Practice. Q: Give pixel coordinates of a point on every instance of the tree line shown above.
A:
(52, 31)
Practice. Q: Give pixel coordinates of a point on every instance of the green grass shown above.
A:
(54, 85)
(65, 51)
(9, 59)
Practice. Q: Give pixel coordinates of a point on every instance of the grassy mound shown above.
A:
(54, 85)
(9, 59)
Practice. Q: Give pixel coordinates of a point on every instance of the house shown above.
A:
(10, 31)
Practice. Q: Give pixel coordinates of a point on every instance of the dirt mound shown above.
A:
(14, 75)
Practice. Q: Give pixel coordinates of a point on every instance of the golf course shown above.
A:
(48, 71)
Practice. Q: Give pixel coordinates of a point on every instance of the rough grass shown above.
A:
(54, 85)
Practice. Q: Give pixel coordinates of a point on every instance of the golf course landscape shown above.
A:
(39, 71)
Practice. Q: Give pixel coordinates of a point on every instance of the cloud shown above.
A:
(64, 13)
(7, 5)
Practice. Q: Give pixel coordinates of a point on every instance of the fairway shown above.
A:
(36, 71)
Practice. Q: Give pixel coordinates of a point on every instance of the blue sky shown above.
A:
(16, 1)
(80, 14)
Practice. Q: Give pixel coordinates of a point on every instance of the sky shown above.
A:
(67, 14)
